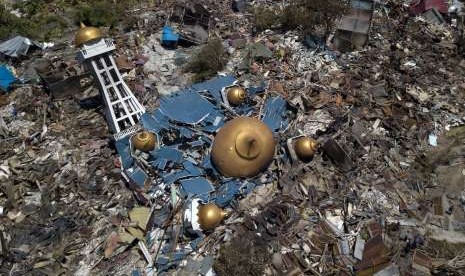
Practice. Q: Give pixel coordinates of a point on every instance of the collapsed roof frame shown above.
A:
(190, 16)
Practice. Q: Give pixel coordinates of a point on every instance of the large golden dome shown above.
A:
(86, 34)
(243, 147)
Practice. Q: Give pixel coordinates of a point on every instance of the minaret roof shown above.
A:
(86, 34)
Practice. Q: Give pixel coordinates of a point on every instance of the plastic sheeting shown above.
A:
(169, 37)
(18, 46)
(6, 77)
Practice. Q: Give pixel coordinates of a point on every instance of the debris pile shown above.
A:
(297, 159)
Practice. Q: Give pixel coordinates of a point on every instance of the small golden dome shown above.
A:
(243, 147)
(86, 34)
(305, 148)
(144, 141)
(236, 95)
(210, 216)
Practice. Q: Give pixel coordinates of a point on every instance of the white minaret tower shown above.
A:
(121, 107)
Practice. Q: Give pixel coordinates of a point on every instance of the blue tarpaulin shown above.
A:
(169, 37)
(6, 77)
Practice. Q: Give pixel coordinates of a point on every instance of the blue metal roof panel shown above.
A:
(196, 186)
(214, 86)
(123, 149)
(275, 113)
(188, 108)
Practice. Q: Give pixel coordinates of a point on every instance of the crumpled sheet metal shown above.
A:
(214, 86)
(124, 150)
(227, 191)
(198, 186)
(155, 122)
(189, 170)
(185, 123)
(188, 108)
(18, 46)
(274, 113)
(317, 122)
(137, 176)
(163, 156)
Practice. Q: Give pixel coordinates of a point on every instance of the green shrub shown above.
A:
(96, 14)
(210, 59)
(310, 16)
(102, 12)
(38, 23)
(11, 24)
(265, 18)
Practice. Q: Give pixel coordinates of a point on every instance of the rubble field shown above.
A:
(381, 190)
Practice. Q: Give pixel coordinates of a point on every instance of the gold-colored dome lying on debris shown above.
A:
(210, 216)
(236, 95)
(144, 141)
(305, 148)
(243, 147)
(86, 34)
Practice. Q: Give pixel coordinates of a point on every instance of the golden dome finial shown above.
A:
(87, 34)
(247, 146)
(144, 141)
(305, 148)
(210, 216)
(243, 147)
(236, 95)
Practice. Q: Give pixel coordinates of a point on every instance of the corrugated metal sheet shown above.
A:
(17, 46)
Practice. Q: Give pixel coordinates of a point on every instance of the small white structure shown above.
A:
(122, 108)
